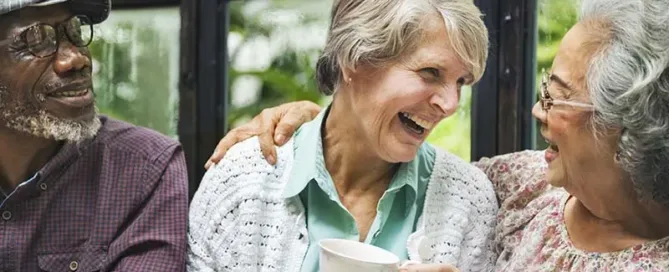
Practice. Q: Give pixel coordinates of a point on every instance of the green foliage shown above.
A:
(131, 82)
(554, 20)
(289, 77)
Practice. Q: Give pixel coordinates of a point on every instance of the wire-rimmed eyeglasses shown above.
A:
(547, 102)
(43, 40)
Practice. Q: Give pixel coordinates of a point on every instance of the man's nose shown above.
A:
(70, 58)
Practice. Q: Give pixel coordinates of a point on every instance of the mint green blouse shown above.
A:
(397, 210)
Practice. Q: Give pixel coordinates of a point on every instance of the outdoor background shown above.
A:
(273, 46)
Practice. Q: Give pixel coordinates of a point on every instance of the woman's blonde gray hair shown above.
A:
(380, 31)
(628, 82)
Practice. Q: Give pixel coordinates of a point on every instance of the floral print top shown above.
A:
(531, 234)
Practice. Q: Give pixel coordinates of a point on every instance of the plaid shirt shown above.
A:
(118, 202)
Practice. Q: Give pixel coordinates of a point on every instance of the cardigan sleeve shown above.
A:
(478, 253)
(458, 220)
(215, 210)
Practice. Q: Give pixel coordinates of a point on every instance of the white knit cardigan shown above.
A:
(239, 220)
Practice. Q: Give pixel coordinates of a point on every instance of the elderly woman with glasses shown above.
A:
(361, 170)
(598, 198)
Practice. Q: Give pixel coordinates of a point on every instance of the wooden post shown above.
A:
(203, 82)
(503, 99)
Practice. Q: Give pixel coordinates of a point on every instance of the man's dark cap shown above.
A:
(97, 10)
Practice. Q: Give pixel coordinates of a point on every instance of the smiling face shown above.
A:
(575, 155)
(398, 104)
(50, 97)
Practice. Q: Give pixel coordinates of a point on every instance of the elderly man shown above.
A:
(78, 191)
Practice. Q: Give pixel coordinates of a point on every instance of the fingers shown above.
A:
(230, 139)
(429, 268)
(294, 116)
(312, 107)
(268, 121)
(272, 126)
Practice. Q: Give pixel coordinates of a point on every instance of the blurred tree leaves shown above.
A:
(132, 74)
(290, 75)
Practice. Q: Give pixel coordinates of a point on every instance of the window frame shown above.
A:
(130, 4)
(203, 82)
(506, 92)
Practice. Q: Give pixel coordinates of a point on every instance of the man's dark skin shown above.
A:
(28, 80)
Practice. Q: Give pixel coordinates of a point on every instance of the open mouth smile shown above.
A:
(74, 99)
(415, 124)
(70, 93)
(552, 152)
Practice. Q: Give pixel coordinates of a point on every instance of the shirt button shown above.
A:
(74, 265)
(425, 249)
(6, 215)
(43, 186)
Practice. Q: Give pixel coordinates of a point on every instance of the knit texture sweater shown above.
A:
(239, 220)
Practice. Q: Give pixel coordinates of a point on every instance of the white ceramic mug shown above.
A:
(337, 255)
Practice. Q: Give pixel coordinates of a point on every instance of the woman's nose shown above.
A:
(446, 101)
(539, 113)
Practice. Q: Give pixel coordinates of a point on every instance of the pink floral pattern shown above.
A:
(531, 234)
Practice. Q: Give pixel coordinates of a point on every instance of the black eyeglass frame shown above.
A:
(21, 37)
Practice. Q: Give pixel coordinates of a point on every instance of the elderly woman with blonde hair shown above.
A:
(598, 198)
(362, 170)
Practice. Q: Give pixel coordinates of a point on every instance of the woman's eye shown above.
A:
(430, 71)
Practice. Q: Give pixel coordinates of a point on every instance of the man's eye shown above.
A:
(18, 46)
(430, 71)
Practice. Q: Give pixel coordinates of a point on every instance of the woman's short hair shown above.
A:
(379, 31)
(628, 82)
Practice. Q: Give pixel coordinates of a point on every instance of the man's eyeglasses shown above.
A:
(547, 102)
(43, 40)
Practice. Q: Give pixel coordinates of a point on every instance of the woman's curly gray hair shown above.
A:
(379, 31)
(628, 81)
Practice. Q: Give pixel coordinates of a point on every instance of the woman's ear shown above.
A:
(347, 75)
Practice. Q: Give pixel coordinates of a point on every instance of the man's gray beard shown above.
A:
(39, 123)
(44, 125)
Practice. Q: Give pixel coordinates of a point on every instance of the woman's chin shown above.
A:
(555, 177)
(402, 153)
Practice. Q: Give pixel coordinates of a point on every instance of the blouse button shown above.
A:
(43, 186)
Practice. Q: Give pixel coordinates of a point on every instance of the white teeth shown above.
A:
(421, 122)
(70, 93)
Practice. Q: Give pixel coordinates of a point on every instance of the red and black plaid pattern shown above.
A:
(118, 202)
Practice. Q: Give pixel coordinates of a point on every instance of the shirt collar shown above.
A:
(308, 150)
(309, 162)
